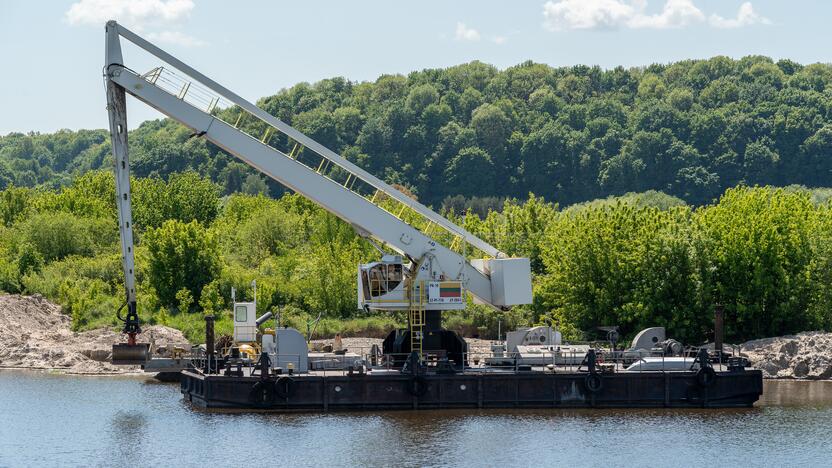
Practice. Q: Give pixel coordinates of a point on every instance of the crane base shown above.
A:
(131, 355)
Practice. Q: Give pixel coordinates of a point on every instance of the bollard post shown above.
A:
(719, 329)
(209, 342)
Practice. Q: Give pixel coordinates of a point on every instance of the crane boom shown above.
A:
(303, 140)
(509, 286)
(129, 353)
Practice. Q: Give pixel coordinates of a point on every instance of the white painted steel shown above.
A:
(117, 112)
(331, 195)
(306, 141)
(348, 205)
(510, 280)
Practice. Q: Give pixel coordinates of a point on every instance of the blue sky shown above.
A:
(53, 51)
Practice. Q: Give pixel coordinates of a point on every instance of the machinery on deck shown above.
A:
(421, 275)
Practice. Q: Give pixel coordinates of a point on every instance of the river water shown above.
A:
(53, 420)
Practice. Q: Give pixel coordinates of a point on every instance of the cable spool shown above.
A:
(706, 376)
(285, 387)
(262, 392)
(594, 382)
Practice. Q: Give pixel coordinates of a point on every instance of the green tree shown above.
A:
(181, 255)
(469, 171)
(759, 244)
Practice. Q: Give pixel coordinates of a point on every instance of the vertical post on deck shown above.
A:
(719, 329)
(209, 343)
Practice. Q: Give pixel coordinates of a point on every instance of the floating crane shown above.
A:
(418, 273)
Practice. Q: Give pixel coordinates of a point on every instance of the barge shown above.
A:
(395, 390)
(288, 378)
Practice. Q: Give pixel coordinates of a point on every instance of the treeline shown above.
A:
(635, 261)
(473, 135)
(645, 260)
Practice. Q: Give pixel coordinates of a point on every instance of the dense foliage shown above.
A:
(634, 261)
(690, 129)
(642, 159)
(761, 252)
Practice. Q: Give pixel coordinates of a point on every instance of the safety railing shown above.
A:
(478, 360)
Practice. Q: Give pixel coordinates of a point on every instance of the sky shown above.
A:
(53, 51)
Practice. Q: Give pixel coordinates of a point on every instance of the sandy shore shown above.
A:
(35, 334)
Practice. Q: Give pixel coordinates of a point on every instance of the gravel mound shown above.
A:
(806, 355)
(35, 334)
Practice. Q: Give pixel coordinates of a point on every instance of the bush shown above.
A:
(57, 235)
(181, 255)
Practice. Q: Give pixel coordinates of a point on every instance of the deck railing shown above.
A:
(478, 360)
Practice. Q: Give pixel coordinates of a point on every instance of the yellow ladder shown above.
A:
(416, 317)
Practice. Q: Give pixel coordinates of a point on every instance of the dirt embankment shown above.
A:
(806, 355)
(35, 334)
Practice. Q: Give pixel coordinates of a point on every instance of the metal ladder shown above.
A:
(416, 317)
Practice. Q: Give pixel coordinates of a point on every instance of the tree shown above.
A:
(255, 185)
(57, 235)
(469, 171)
(420, 97)
(758, 243)
(185, 197)
(492, 127)
(181, 255)
(622, 265)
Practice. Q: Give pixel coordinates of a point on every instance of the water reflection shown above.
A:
(127, 430)
(796, 393)
(54, 420)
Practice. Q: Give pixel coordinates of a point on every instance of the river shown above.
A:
(55, 420)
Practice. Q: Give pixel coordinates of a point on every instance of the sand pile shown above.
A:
(806, 355)
(35, 334)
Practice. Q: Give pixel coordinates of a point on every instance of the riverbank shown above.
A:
(35, 334)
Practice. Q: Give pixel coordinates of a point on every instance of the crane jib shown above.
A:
(499, 281)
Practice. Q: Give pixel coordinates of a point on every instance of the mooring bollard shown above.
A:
(209, 343)
(719, 327)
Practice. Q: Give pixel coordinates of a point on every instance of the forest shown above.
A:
(690, 129)
(643, 196)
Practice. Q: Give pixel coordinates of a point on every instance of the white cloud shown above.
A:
(160, 17)
(562, 15)
(464, 33)
(746, 16)
(176, 38)
(499, 40)
(586, 14)
(675, 14)
(134, 13)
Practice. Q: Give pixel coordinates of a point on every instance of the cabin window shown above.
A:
(385, 278)
(241, 314)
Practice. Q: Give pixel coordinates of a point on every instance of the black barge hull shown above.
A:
(394, 391)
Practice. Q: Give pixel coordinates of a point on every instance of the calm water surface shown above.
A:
(50, 420)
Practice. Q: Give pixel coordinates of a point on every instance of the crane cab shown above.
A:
(383, 286)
